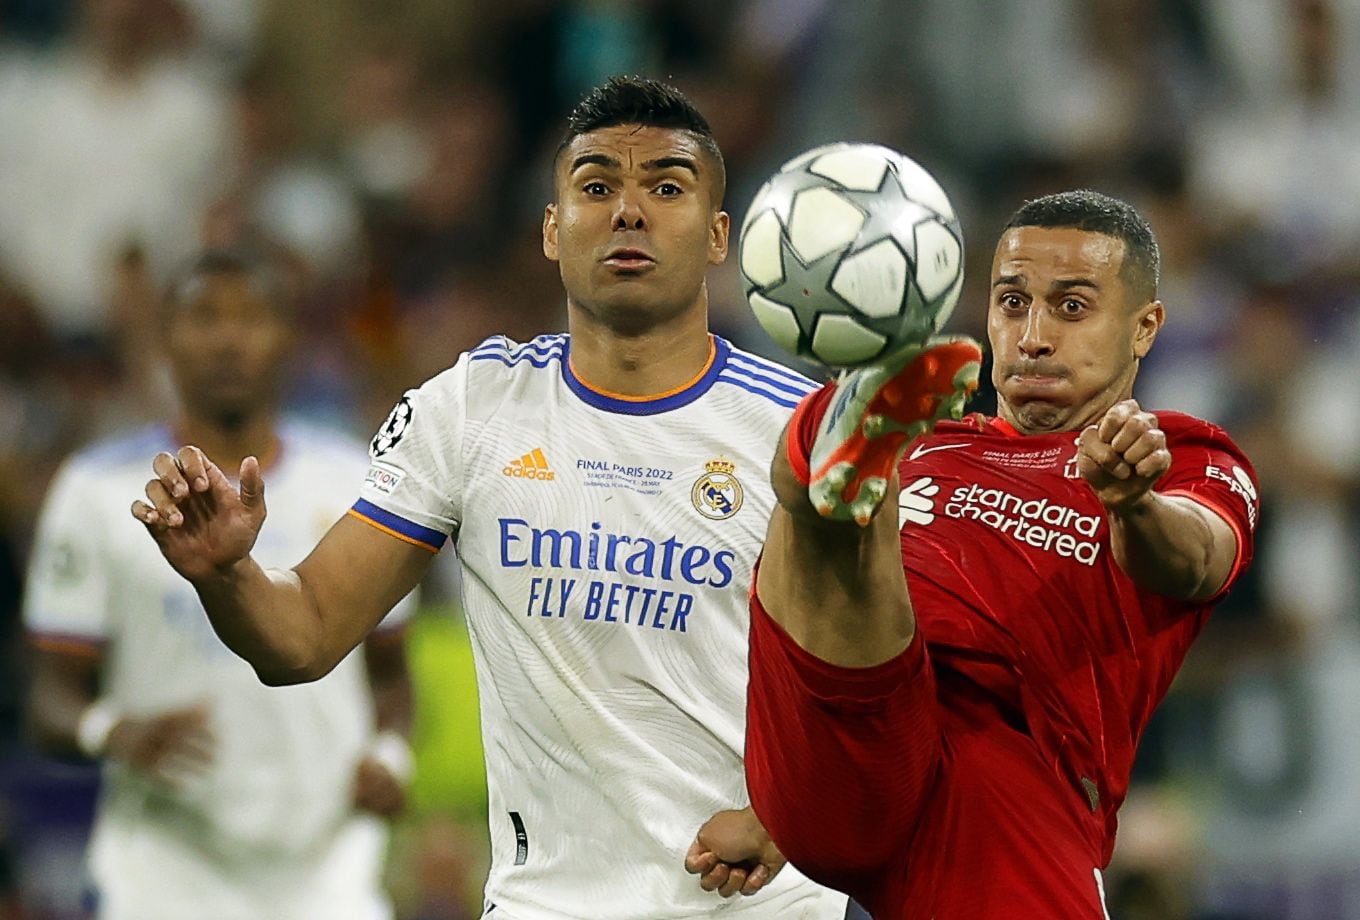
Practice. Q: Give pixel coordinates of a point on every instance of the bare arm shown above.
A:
(1167, 544)
(169, 746)
(381, 777)
(389, 681)
(291, 625)
(64, 686)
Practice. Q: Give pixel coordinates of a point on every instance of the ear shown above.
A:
(1151, 318)
(550, 232)
(720, 228)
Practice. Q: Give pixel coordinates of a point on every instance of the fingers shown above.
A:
(194, 466)
(164, 508)
(715, 878)
(760, 876)
(1114, 419)
(171, 476)
(1126, 442)
(736, 878)
(252, 483)
(699, 860)
(1096, 455)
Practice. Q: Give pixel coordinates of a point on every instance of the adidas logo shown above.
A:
(532, 465)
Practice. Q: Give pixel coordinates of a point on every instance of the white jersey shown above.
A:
(607, 545)
(258, 834)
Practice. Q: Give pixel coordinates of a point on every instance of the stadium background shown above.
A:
(401, 149)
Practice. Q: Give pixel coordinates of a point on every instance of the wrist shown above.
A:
(95, 726)
(1133, 507)
(391, 749)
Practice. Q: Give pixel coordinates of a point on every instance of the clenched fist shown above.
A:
(1123, 455)
(733, 854)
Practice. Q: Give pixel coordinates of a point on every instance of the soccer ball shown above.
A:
(851, 252)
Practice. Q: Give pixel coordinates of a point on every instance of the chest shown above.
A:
(987, 503)
(609, 482)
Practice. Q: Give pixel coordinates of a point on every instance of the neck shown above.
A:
(646, 363)
(227, 443)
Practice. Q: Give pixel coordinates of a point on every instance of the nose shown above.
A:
(1034, 343)
(628, 213)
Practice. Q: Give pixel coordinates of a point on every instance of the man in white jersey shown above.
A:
(222, 798)
(605, 491)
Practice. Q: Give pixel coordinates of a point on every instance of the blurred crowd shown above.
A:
(400, 151)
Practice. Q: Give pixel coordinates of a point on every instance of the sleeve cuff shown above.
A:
(397, 526)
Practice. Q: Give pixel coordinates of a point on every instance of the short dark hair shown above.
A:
(1084, 209)
(268, 271)
(633, 100)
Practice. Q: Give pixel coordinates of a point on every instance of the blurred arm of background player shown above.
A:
(381, 777)
(174, 744)
(292, 625)
(167, 747)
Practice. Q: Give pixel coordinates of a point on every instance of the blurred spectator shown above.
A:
(1288, 115)
(114, 143)
(223, 798)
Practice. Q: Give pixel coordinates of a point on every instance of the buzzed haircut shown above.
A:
(268, 272)
(1094, 212)
(632, 100)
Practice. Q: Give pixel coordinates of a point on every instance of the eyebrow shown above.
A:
(1062, 284)
(594, 159)
(672, 162)
(1066, 284)
(608, 162)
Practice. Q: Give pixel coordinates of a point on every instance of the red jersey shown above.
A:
(1015, 586)
(978, 774)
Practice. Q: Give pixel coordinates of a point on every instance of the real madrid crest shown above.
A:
(717, 494)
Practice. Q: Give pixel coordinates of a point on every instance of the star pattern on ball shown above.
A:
(806, 287)
(785, 187)
(890, 214)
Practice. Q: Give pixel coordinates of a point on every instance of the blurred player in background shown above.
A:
(979, 730)
(606, 494)
(222, 798)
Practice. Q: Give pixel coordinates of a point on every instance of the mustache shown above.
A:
(1036, 369)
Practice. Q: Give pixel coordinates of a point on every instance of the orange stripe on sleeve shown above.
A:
(392, 533)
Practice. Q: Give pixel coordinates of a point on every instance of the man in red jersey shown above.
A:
(956, 743)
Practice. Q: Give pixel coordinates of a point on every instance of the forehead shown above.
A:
(634, 145)
(224, 292)
(1057, 252)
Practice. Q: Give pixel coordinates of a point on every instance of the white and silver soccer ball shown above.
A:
(851, 252)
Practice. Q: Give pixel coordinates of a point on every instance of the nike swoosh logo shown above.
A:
(921, 450)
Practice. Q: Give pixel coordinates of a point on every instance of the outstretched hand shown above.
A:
(201, 522)
(1123, 455)
(732, 853)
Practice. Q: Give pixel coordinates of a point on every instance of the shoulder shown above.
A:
(500, 352)
(497, 364)
(759, 380)
(318, 443)
(121, 453)
(1184, 430)
(105, 474)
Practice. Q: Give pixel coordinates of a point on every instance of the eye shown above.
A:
(595, 188)
(1071, 307)
(668, 189)
(1011, 302)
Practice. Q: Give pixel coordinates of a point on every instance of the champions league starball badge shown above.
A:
(717, 494)
(391, 431)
